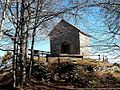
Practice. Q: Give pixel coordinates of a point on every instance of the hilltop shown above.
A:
(74, 73)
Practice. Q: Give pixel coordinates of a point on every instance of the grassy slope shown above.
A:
(97, 79)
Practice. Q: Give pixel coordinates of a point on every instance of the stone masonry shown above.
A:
(65, 39)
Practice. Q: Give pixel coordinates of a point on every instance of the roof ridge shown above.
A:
(75, 28)
(63, 20)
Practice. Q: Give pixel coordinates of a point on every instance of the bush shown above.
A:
(7, 57)
(68, 72)
(116, 64)
(41, 72)
(89, 68)
(117, 71)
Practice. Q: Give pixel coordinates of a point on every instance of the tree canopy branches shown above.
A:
(27, 18)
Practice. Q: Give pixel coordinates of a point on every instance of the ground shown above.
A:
(73, 75)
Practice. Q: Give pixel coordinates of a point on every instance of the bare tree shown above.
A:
(27, 17)
(110, 16)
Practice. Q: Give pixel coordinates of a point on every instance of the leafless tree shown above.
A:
(27, 17)
(110, 33)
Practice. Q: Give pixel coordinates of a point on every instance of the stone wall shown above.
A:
(84, 43)
(63, 32)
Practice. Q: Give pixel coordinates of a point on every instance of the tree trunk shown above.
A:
(22, 45)
(32, 52)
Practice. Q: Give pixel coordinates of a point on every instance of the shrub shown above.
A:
(41, 72)
(117, 71)
(89, 68)
(116, 64)
(6, 57)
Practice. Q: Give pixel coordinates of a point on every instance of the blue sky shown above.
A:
(43, 45)
(84, 25)
(90, 22)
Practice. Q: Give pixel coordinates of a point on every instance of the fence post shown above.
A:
(103, 58)
(58, 58)
(99, 57)
(82, 57)
(47, 55)
(38, 58)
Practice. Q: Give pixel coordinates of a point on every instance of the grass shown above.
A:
(83, 77)
(84, 62)
(77, 60)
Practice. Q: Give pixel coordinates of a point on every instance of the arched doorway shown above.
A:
(65, 48)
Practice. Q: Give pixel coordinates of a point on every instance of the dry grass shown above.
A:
(116, 75)
(97, 79)
(75, 60)
(93, 62)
